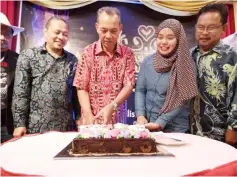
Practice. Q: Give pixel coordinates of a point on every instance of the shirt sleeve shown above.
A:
(165, 118)
(22, 89)
(129, 75)
(82, 75)
(232, 119)
(140, 92)
(73, 92)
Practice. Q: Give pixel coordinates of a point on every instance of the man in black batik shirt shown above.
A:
(42, 99)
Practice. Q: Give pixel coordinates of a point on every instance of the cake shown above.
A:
(117, 138)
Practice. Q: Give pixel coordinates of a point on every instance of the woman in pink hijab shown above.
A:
(166, 82)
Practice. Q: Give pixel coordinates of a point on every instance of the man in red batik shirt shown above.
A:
(105, 74)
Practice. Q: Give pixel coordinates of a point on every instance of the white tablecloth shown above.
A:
(34, 155)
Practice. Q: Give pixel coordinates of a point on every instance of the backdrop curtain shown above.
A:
(11, 10)
(183, 8)
(177, 8)
(63, 4)
(230, 21)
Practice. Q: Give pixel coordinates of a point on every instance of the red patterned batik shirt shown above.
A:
(103, 77)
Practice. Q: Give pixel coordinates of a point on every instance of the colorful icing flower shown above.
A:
(119, 131)
(114, 132)
(144, 134)
(120, 126)
(124, 134)
(107, 134)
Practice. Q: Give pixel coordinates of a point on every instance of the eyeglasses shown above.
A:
(209, 29)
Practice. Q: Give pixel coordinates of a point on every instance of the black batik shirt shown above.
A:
(42, 96)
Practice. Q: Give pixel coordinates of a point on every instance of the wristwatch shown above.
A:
(115, 105)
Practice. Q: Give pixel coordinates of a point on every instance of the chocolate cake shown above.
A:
(124, 145)
(121, 138)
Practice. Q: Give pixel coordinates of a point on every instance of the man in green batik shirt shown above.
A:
(215, 109)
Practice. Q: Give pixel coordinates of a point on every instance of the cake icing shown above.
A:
(116, 131)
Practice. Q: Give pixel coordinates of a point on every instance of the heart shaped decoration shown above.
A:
(146, 32)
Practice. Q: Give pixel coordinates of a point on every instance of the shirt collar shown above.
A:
(43, 50)
(218, 48)
(3, 55)
(99, 48)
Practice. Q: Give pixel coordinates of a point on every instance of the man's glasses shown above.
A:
(209, 29)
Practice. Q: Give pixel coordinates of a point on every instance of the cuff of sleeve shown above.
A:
(81, 88)
(232, 124)
(19, 124)
(19, 120)
(140, 113)
(161, 122)
(80, 85)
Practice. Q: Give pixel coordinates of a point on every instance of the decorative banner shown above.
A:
(139, 26)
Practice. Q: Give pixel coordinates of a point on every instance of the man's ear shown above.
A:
(45, 31)
(225, 27)
(96, 26)
(121, 27)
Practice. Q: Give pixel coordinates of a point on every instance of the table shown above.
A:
(34, 155)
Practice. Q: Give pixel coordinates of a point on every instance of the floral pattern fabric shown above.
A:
(215, 109)
(42, 97)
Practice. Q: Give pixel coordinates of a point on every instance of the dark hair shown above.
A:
(54, 18)
(110, 11)
(215, 7)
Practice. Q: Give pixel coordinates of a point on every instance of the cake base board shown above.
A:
(66, 153)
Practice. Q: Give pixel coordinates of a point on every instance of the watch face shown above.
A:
(115, 106)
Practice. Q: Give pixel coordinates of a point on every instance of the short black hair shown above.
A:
(110, 11)
(54, 18)
(215, 7)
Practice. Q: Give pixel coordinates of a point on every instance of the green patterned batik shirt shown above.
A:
(215, 109)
